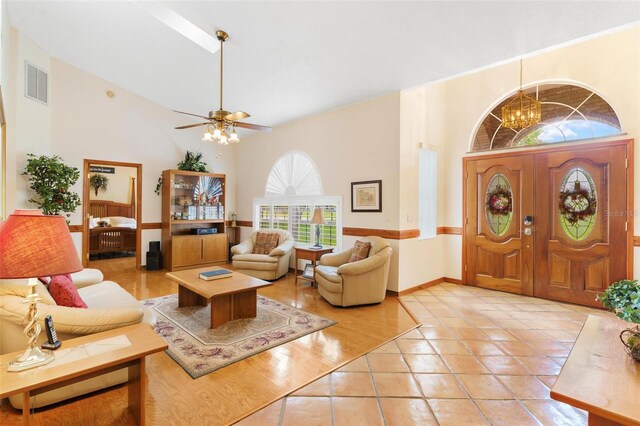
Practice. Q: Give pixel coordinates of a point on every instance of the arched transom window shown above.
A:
(293, 174)
(569, 113)
(292, 192)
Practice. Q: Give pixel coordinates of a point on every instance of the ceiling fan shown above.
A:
(219, 122)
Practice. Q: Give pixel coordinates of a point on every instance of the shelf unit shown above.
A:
(192, 200)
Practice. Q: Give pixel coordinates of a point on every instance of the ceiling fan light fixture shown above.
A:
(220, 121)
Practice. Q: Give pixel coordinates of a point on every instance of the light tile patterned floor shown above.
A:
(479, 357)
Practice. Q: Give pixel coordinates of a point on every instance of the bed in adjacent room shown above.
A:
(112, 227)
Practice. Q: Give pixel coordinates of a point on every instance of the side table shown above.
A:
(312, 254)
(86, 357)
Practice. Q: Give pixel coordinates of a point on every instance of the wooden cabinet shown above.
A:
(214, 248)
(193, 201)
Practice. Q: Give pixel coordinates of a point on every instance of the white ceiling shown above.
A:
(286, 60)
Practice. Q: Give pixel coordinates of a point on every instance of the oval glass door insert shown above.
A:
(499, 204)
(577, 204)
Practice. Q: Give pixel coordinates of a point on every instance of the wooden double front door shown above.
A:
(552, 223)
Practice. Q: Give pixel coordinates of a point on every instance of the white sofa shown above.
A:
(264, 266)
(109, 307)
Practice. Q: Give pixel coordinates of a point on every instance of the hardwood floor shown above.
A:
(231, 393)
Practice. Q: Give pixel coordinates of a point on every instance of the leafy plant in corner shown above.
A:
(192, 163)
(623, 298)
(98, 182)
(51, 179)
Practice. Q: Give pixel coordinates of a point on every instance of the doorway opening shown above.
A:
(112, 212)
(552, 222)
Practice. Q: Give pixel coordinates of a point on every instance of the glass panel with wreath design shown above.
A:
(498, 204)
(577, 204)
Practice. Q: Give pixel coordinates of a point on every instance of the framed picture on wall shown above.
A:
(366, 196)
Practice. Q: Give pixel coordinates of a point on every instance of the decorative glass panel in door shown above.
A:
(578, 203)
(498, 204)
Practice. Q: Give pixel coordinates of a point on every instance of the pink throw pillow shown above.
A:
(63, 291)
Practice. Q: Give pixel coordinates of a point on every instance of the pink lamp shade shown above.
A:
(35, 245)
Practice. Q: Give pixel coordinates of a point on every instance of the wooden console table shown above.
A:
(308, 253)
(599, 377)
(84, 358)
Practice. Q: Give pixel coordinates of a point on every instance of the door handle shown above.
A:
(528, 231)
(528, 220)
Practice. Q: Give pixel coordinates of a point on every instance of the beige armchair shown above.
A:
(356, 283)
(109, 307)
(264, 266)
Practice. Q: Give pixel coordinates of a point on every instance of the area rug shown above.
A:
(201, 350)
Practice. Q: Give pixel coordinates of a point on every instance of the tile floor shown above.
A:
(479, 357)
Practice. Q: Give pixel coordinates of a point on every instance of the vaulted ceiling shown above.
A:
(286, 60)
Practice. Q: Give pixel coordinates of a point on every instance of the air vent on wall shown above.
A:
(36, 83)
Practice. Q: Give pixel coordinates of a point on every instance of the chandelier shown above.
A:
(522, 111)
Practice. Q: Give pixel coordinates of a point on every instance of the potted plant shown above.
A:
(51, 179)
(98, 182)
(192, 163)
(623, 298)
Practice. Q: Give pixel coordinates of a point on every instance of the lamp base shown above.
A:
(316, 246)
(32, 357)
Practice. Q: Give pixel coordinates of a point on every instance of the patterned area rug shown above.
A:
(201, 350)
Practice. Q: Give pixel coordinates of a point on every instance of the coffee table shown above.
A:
(231, 298)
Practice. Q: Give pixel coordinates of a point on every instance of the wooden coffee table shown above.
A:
(231, 298)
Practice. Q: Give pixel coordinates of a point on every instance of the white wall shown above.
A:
(82, 122)
(28, 121)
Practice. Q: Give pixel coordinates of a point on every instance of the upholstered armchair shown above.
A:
(357, 283)
(264, 266)
(109, 306)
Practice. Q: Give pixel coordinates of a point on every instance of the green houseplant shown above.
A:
(98, 182)
(623, 298)
(50, 178)
(192, 163)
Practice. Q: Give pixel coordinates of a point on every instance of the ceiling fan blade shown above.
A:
(253, 127)
(188, 126)
(188, 113)
(238, 115)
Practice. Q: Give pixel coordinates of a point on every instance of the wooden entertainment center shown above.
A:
(193, 202)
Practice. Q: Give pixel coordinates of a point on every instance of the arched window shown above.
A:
(292, 192)
(294, 174)
(569, 113)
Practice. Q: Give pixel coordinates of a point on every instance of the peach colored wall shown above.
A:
(448, 112)
(118, 187)
(354, 143)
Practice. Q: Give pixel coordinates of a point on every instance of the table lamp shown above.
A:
(34, 245)
(318, 219)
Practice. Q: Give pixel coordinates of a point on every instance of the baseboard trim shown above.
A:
(423, 286)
